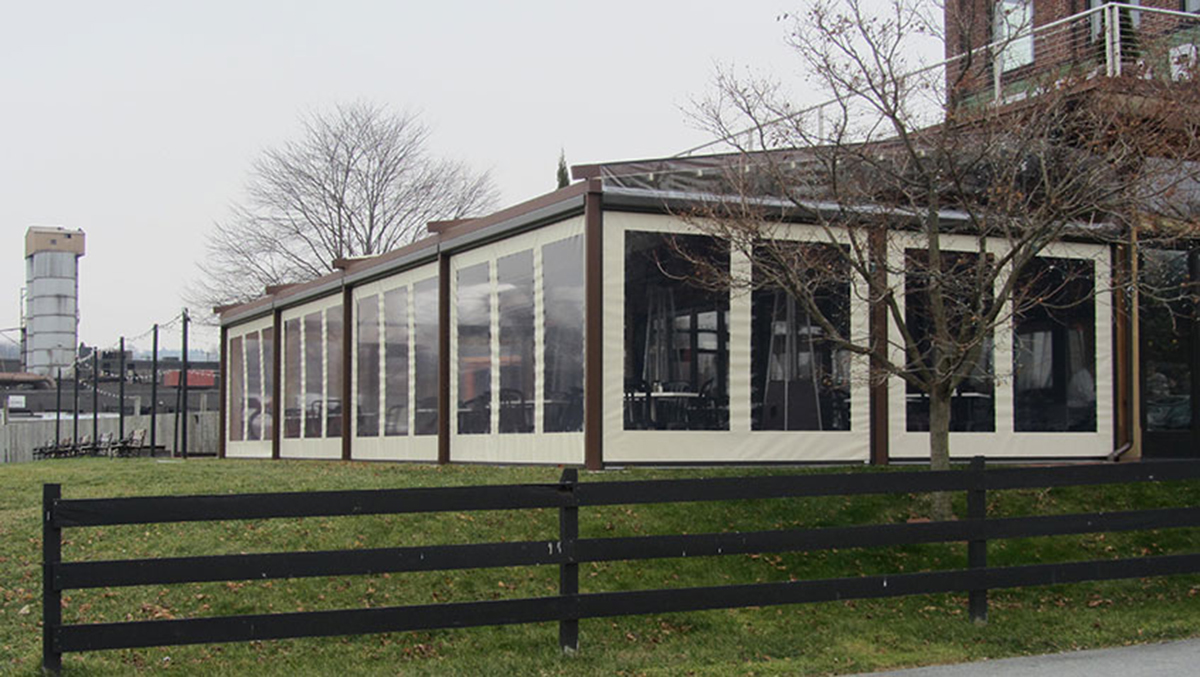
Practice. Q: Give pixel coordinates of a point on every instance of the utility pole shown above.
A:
(154, 393)
(183, 439)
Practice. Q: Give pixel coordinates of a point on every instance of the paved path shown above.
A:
(1145, 660)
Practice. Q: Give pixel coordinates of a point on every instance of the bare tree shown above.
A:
(359, 181)
(934, 200)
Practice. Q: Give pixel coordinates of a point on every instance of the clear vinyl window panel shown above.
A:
(800, 374)
(473, 305)
(367, 345)
(255, 416)
(960, 282)
(1054, 347)
(334, 326)
(676, 333)
(425, 352)
(293, 397)
(518, 393)
(314, 379)
(1167, 317)
(395, 329)
(237, 394)
(562, 279)
(268, 390)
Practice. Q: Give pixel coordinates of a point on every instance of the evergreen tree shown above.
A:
(564, 179)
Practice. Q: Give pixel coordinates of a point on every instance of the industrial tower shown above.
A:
(51, 326)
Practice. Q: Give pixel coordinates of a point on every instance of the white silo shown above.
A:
(51, 298)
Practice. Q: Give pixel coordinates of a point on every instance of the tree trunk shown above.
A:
(939, 449)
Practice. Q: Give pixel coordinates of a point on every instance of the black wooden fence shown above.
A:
(569, 550)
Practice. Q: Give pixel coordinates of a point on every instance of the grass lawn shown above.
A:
(827, 638)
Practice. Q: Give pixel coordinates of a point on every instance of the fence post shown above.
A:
(51, 595)
(568, 571)
(977, 549)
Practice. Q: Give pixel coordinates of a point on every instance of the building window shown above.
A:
(334, 325)
(1012, 24)
(314, 381)
(237, 395)
(395, 311)
(474, 307)
(425, 352)
(800, 377)
(676, 332)
(268, 391)
(293, 400)
(1166, 321)
(368, 367)
(514, 280)
(1054, 352)
(254, 408)
(1128, 21)
(562, 283)
(973, 400)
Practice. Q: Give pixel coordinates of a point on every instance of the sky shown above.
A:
(138, 121)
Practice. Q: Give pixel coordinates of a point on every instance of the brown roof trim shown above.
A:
(597, 170)
(443, 226)
(540, 202)
(342, 263)
(429, 242)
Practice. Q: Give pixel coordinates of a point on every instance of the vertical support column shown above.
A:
(593, 331)
(121, 392)
(878, 328)
(154, 394)
(277, 382)
(445, 412)
(568, 571)
(223, 394)
(51, 595)
(58, 409)
(1125, 337)
(977, 549)
(183, 375)
(75, 427)
(346, 366)
(95, 399)
(1194, 361)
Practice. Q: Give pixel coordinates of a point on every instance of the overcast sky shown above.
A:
(137, 121)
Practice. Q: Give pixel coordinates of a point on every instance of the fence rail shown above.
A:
(569, 550)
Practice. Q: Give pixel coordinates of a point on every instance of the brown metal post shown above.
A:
(58, 409)
(121, 391)
(347, 344)
(223, 393)
(75, 425)
(444, 404)
(183, 384)
(154, 395)
(1122, 371)
(878, 330)
(95, 400)
(277, 407)
(593, 340)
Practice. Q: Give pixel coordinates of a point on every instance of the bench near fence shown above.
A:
(568, 550)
